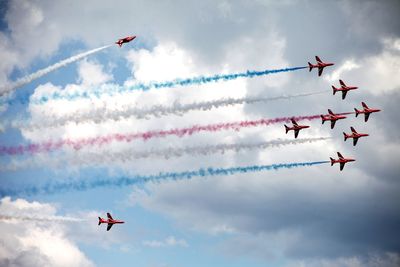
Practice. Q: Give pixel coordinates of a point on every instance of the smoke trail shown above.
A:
(42, 72)
(5, 217)
(90, 159)
(103, 114)
(113, 89)
(59, 187)
(180, 132)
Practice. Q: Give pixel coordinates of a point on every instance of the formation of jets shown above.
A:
(332, 117)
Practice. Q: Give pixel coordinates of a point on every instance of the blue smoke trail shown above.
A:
(59, 187)
(144, 87)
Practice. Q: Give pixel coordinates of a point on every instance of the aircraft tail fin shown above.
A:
(357, 112)
(310, 66)
(286, 128)
(345, 136)
(323, 119)
(332, 161)
(99, 221)
(334, 90)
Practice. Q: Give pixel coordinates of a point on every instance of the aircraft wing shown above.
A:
(294, 122)
(109, 226)
(366, 116)
(320, 69)
(344, 93)
(109, 216)
(342, 83)
(340, 155)
(318, 59)
(353, 130)
(364, 105)
(341, 166)
(333, 124)
(355, 139)
(296, 133)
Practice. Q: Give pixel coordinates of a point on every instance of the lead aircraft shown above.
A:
(320, 65)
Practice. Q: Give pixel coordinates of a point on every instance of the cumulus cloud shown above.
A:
(91, 73)
(377, 73)
(36, 243)
(170, 241)
(373, 260)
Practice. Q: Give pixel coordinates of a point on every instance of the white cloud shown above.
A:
(373, 260)
(91, 73)
(376, 73)
(165, 62)
(347, 66)
(170, 241)
(33, 243)
(176, 61)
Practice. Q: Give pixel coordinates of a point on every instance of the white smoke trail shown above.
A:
(29, 78)
(103, 114)
(90, 159)
(7, 217)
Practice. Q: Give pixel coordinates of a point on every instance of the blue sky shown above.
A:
(314, 216)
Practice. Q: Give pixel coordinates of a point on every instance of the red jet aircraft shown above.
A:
(332, 117)
(344, 89)
(296, 128)
(125, 40)
(366, 111)
(354, 135)
(342, 161)
(320, 65)
(110, 221)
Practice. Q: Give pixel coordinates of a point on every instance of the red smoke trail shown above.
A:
(103, 140)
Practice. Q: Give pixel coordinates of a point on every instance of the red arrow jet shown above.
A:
(342, 161)
(110, 221)
(354, 135)
(125, 40)
(366, 111)
(332, 117)
(320, 65)
(296, 128)
(344, 89)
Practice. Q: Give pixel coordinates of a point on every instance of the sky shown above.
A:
(294, 217)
